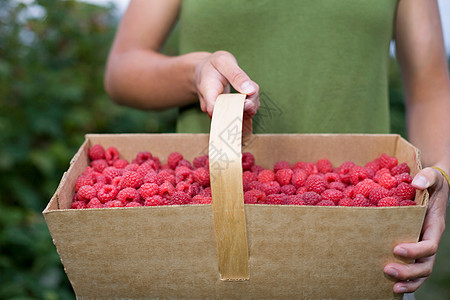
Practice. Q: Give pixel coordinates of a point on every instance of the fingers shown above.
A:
(425, 178)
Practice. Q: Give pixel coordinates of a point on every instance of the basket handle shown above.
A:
(225, 166)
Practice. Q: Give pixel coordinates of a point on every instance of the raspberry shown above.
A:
(326, 203)
(332, 177)
(183, 186)
(193, 189)
(86, 193)
(301, 190)
(377, 194)
(387, 161)
(256, 169)
(332, 195)
(128, 195)
(201, 175)
(83, 180)
(133, 204)
(112, 172)
(344, 171)
(184, 163)
(96, 152)
(111, 155)
(131, 167)
(399, 169)
(281, 165)
(405, 191)
(100, 178)
(357, 174)
(388, 201)
(373, 165)
(179, 198)
(404, 177)
(145, 168)
(346, 201)
(407, 203)
(94, 203)
(113, 203)
(299, 165)
(156, 162)
(359, 201)
(379, 173)
(116, 181)
(284, 176)
(107, 193)
(198, 199)
(120, 163)
(173, 159)
(276, 199)
(142, 157)
(184, 174)
(254, 197)
(166, 189)
(288, 189)
(387, 181)
(271, 187)
(311, 169)
(201, 161)
(324, 166)
(97, 186)
(248, 177)
(148, 190)
(311, 198)
(349, 191)
(364, 187)
(78, 205)
(316, 183)
(256, 185)
(166, 176)
(248, 161)
(99, 165)
(152, 177)
(206, 192)
(295, 200)
(266, 176)
(131, 179)
(299, 178)
(156, 201)
(337, 185)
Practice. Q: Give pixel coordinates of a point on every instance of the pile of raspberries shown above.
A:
(111, 181)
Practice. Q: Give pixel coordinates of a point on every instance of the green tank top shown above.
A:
(322, 65)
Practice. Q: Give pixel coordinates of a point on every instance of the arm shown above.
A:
(138, 75)
(422, 59)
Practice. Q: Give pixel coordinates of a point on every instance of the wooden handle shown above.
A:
(225, 166)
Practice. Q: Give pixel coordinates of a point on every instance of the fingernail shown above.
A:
(400, 251)
(420, 181)
(401, 289)
(391, 271)
(247, 87)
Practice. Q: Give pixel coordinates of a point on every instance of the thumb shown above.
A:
(425, 178)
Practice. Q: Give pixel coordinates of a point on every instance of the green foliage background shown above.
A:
(52, 58)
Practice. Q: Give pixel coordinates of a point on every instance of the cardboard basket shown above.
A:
(277, 251)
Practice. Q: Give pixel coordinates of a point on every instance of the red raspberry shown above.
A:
(156, 162)
(86, 193)
(364, 187)
(96, 152)
(184, 163)
(165, 167)
(271, 187)
(83, 180)
(107, 193)
(326, 203)
(388, 201)
(387, 181)
(301, 190)
(131, 167)
(359, 201)
(183, 186)
(311, 198)
(299, 178)
(153, 177)
(128, 195)
(166, 189)
(405, 191)
(346, 201)
(142, 157)
(193, 189)
(116, 181)
(324, 166)
(316, 183)
(277, 199)
(377, 194)
(288, 189)
(113, 203)
(404, 177)
(179, 198)
(94, 203)
(173, 159)
(133, 204)
(407, 203)
(379, 173)
(206, 192)
(156, 201)
(332, 177)
(311, 169)
(198, 199)
(337, 185)
(387, 161)
(373, 165)
(145, 168)
(349, 191)
(344, 171)
(100, 178)
(131, 179)
(254, 197)
(256, 169)
(248, 161)
(166, 175)
(78, 205)
(248, 177)
(201, 161)
(332, 195)
(295, 200)
(281, 165)
(284, 176)
(97, 186)
(111, 155)
(401, 168)
(148, 190)
(256, 185)
(184, 174)
(201, 175)
(357, 174)
(99, 165)
(112, 172)
(299, 165)
(266, 176)
(120, 163)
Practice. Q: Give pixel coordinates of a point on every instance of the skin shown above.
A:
(138, 75)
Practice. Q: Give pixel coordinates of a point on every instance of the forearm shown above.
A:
(149, 80)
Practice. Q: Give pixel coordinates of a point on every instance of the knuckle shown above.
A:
(433, 248)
